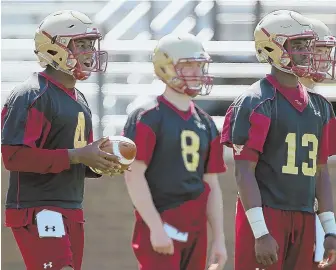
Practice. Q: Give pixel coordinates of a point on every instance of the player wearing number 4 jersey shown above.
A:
(47, 144)
(173, 183)
(281, 136)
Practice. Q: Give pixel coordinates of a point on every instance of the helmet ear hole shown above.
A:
(269, 49)
(51, 52)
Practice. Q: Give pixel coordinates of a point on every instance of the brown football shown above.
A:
(122, 147)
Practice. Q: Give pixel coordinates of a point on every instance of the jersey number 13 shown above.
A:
(307, 140)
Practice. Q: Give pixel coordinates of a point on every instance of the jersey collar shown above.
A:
(70, 92)
(183, 114)
(298, 96)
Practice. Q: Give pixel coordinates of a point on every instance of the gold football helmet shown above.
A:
(285, 39)
(55, 44)
(172, 54)
(325, 55)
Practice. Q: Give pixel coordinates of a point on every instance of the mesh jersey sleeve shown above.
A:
(140, 127)
(246, 125)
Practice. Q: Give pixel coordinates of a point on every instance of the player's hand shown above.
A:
(161, 242)
(329, 257)
(218, 255)
(266, 250)
(92, 156)
(117, 170)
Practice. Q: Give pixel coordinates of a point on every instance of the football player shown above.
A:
(174, 183)
(324, 58)
(47, 144)
(280, 135)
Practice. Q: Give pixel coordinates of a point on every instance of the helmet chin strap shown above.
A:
(293, 72)
(192, 93)
(185, 90)
(182, 91)
(79, 73)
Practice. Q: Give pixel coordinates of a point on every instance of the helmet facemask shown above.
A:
(325, 59)
(62, 53)
(192, 76)
(289, 53)
(300, 53)
(89, 58)
(188, 76)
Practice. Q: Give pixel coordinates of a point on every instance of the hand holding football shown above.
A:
(122, 147)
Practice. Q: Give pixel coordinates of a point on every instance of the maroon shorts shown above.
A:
(293, 231)
(44, 253)
(191, 255)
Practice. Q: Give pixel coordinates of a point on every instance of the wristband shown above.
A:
(256, 219)
(328, 222)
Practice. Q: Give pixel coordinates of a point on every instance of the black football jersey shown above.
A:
(41, 114)
(288, 134)
(178, 147)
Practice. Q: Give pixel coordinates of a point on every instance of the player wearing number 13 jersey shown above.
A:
(282, 136)
(47, 144)
(173, 183)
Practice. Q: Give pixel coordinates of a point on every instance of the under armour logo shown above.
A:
(47, 228)
(46, 265)
(238, 148)
(200, 125)
(317, 113)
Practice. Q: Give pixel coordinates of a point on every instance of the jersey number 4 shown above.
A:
(290, 167)
(79, 139)
(190, 145)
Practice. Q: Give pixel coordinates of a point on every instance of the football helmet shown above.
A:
(172, 54)
(285, 39)
(55, 44)
(324, 53)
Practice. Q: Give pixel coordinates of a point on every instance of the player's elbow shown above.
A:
(7, 163)
(7, 154)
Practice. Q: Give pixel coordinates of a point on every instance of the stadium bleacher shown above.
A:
(129, 78)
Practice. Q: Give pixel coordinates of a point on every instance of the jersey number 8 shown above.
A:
(190, 145)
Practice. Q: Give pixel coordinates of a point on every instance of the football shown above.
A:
(122, 147)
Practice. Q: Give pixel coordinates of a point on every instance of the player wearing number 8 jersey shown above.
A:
(281, 136)
(173, 183)
(47, 144)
